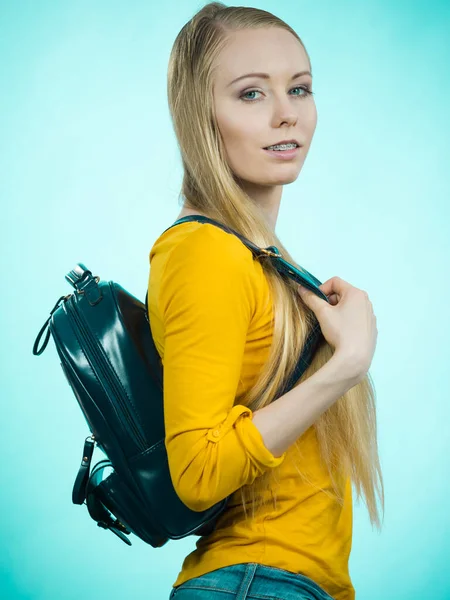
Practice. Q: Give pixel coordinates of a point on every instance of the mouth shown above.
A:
(283, 143)
(283, 154)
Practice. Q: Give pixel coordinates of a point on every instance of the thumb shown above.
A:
(304, 293)
(309, 297)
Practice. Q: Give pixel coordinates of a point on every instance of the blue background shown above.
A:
(90, 172)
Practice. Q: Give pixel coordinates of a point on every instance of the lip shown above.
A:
(283, 154)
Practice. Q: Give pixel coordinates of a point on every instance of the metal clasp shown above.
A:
(268, 252)
(97, 279)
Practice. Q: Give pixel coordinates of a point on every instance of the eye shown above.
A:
(306, 89)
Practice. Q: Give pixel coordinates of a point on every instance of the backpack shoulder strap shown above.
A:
(282, 266)
(285, 269)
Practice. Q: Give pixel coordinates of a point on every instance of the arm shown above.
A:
(283, 421)
(207, 299)
(214, 447)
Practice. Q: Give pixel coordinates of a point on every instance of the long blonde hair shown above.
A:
(347, 431)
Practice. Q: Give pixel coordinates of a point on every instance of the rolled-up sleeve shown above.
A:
(207, 299)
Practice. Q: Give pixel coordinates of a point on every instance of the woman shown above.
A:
(229, 330)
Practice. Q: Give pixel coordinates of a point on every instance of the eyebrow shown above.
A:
(267, 76)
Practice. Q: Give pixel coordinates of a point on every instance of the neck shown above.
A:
(268, 199)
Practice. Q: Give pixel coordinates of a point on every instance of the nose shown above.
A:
(284, 113)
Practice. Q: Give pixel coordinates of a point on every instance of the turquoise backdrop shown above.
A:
(90, 172)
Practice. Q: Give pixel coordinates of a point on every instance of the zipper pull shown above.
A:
(36, 352)
(79, 487)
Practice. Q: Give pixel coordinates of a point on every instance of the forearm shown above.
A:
(283, 421)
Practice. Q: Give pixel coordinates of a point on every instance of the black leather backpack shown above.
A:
(103, 339)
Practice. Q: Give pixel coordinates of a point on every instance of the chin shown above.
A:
(284, 179)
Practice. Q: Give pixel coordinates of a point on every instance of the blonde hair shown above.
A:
(347, 431)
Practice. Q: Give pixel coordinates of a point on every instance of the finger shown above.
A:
(335, 285)
(333, 299)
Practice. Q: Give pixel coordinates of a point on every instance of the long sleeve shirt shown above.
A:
(211, 319)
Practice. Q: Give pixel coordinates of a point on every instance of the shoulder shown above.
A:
(207, 244)
(209, 270)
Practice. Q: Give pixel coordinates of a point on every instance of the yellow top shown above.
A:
(210, 313)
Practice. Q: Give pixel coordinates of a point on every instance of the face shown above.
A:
(256, 112)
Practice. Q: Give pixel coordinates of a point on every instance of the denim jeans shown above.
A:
(249, 581)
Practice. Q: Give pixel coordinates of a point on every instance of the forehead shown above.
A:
(271, 50)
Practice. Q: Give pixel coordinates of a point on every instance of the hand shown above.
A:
(347, 322)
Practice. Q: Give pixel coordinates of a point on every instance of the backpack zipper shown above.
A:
(100, 363)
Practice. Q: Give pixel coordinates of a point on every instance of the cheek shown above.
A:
(311, 119)
(238, 135)
(238, 128)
